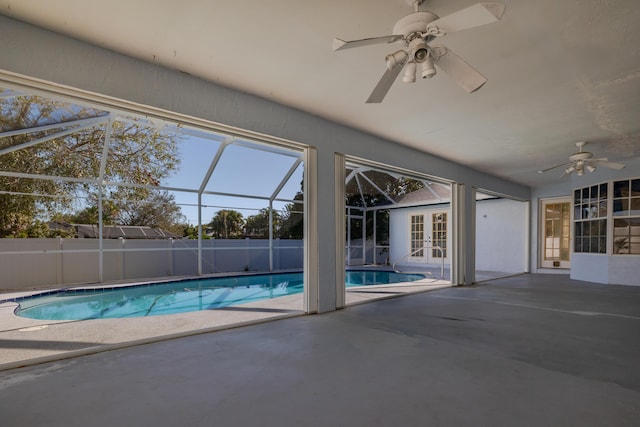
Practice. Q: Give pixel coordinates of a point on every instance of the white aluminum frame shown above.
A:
(16, 85)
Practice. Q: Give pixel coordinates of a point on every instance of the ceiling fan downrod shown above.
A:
(415, 4)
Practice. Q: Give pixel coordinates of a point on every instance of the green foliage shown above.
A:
(292, 217)
(159, 210)
(367, 195)
(292, 223)
(257, 226)
(191, 232)
(89, 215)
(226, 224)
(41, 229)
(138, 153)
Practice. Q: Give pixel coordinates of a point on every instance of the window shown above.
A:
(439, 234)
(417, 235)
(626, 212)
(590, 219)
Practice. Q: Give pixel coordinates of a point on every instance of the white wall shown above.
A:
(609, 270)
(37, 53)
(399, 232)
(623, 270)
(501, 235)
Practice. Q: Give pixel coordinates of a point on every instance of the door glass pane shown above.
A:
(439, 235)
(557, 228)
(417, 235)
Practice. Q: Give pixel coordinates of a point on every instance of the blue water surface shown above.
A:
(181, 296)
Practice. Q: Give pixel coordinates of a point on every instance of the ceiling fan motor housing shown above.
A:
(414, 23)
(412, 27)
(585, 155)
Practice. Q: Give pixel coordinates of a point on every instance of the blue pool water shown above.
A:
(180, 296)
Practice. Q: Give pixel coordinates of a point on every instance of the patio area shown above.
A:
(27, 341)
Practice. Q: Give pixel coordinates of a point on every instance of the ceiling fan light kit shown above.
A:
(416, 31)
(410, 73)
(428, 69)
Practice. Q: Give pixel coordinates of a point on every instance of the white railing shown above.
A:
(405, 257)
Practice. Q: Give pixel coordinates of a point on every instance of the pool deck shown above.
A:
(26, 341)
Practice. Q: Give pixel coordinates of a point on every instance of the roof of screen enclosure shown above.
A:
(212, 163)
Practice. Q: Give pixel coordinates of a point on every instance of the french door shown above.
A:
(428, 237)
(555, 233)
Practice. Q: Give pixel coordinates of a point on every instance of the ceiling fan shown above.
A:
(582, 160)
(416, 31)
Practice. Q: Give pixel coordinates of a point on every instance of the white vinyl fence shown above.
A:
(31, 263)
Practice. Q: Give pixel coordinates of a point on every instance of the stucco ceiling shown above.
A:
(559, 71)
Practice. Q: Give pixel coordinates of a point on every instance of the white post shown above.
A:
(339, 194)
(100, 243)
(199, 233)
(311, 249)
(270, 235)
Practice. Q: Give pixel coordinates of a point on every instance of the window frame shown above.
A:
(607, 212)
(627, 215)
(591, 213)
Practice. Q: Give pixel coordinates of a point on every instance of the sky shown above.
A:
(244, 167)
(240, 170)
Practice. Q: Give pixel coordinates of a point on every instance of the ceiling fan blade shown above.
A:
(607, 164)
(339, 44)
(470, 17)
(383, 86)
(554, 167)
(457, 69)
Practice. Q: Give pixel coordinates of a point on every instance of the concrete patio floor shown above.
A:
(532, 350)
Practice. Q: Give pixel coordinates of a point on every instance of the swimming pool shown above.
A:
(157, 299)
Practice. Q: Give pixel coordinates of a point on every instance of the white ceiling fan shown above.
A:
(582, 160)
(416, 31)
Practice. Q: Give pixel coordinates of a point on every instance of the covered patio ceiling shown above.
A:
(558, 72)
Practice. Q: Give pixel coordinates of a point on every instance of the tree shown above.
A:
(159, 210)
(292, 217)
(226, 224)
(292, 220)
(257, 226)
(367, 195)
(90, 214)
(191, 232)
(138, 153)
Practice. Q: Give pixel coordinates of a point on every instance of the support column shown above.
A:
(463, 208)
(321, 258)
(313, 255)
(339, 190)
